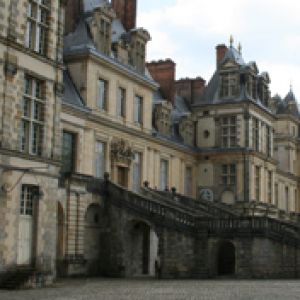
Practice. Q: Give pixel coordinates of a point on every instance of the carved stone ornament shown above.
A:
(121, 152)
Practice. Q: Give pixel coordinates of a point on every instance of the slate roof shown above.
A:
(288, 105)
(71, 95)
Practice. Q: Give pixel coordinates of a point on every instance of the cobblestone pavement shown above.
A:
(166, 290)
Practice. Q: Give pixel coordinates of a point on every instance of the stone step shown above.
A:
(16, 278)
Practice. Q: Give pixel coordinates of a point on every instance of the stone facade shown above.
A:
(218, 161)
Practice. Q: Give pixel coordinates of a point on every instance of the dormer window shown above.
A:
(229, 85)
(105, 36)
(252, 86)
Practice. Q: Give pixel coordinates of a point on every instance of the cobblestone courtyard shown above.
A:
(167, 290)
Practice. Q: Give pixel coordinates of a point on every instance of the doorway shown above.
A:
(226, 259)
(123, 177)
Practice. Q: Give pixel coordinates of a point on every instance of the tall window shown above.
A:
(270, 187)
(276, 194)
(121, 102)
(38, 12)
(138, 109)
(229, 132)
(99, 159)
(287, 207)
(188, 185)
(229, 85)
(32, 124)
(105, 29)
(68, 152)
(255, 134)
(102, 94)
(268, 140)
(27, 199)
(228, 174)
(257, 183)
(137, 172)
(164, 174)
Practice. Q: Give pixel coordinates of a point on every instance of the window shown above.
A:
(257, 183)
(102, 94)
(105, 29)
(229, 174)
(27, 199)
(268, 141)
(99, 159)
(121, 102)
(255, 134)
(138, 109)
(229, 85)
(252, 86)
(188, 181)
(137, 172)
(276, 194)
(68, 152)
(287, 208)
(270, 187)
(229, 132)
(164, 174)
(38, 12)
(32, 123)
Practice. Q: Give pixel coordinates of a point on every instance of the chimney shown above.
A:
(164, 72)
(72, 13)
(190, 88)
(221, 51)
(126, 12)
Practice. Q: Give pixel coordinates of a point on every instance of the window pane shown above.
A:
(164, 174)
(100, 159)
(102, 94)
(138, 109)
(68, 151)
(136, 172)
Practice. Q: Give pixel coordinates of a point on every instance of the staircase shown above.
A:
(16, 278)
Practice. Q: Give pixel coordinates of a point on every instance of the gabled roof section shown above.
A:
(79, 39)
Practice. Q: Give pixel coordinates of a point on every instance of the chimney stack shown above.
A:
(126, 11)
(72, 13)
(164, 71)
(190, 89)
(221, 51)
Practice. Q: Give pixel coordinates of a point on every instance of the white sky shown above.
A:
(187, 31)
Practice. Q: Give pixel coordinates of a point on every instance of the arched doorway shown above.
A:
(92, 239)
(226, 258)
(141, 250)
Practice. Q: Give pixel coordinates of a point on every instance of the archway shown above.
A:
(226, 258)
(141, 250)
(92, 239)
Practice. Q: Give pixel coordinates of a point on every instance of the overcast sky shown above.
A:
(187, 31)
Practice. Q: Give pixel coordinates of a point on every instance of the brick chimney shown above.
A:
(221, 51)
(190, 88)
(126, 12)
(72, 13)
(164, 72)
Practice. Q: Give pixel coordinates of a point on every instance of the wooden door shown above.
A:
(123, 176)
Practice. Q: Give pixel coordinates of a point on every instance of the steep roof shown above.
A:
(71, 95)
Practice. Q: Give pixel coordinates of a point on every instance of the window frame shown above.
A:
(229, 174)
(104, 147)
(138, 110)
(37, 26)
(32, 125)
(121, 102)
(229, 132)
(102, 96)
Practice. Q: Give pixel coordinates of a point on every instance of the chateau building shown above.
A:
(85, 120)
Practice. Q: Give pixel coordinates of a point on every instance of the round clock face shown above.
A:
(206, 194)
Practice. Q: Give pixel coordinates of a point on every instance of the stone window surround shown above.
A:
(104, 158)
(229, 84)
(32, 130)
(228, 126)
(37, 28)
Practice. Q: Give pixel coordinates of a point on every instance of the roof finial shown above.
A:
(240, 48)
(291, 85)
(231, 41)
